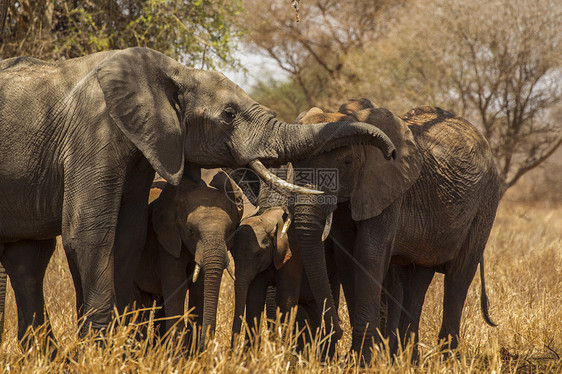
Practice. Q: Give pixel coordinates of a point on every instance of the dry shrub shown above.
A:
(524, 283)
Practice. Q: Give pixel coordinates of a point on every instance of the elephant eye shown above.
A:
(229, 114)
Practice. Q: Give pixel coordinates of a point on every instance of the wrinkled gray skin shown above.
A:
(430, 210)
(269, 268)
(193, 223)
(263, 260)
(81, 140)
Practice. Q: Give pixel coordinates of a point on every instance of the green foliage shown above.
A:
(198, 33)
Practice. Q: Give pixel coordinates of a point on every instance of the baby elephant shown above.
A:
(191, 228)
(264, 256)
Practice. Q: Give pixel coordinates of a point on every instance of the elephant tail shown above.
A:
(3, 281)
(483, 296)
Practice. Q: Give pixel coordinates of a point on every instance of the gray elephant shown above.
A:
(191, 229)
(269, 269)
(430, 210)
(81, 140)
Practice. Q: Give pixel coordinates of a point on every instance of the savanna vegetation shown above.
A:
(524, 282)
(498, 64)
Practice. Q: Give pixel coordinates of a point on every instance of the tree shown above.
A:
(314, 50)
(498, 63)
(196, 32)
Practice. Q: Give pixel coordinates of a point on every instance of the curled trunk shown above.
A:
(299, 142)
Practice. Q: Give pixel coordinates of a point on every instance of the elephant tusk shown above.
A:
(277, 183)
(196, 272)
(231, 271)
(327, 226)
(286, 226)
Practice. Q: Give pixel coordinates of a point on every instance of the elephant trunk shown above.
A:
(213, 262)
(309, 220)
(295, 142)
(212, 276)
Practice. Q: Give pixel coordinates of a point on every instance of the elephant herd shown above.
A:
(364, 201)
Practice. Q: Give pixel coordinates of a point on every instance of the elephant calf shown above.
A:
(265, 256)
(191, 228)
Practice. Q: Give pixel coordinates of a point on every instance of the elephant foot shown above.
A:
(42, 339)
(362, 349)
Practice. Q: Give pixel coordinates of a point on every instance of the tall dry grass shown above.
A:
(524, 282)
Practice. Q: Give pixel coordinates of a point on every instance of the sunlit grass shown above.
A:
(524, 283)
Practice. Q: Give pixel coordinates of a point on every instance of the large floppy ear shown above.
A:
(164, 221)
(223, 182)
(316, 115)
(380, 181)
(354, 105)
(312, 111)
(281, 251)
(140, 89)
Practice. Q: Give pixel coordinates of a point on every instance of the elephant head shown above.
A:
(365, 180)
(258, 244)
(197, 222)
(173, 113)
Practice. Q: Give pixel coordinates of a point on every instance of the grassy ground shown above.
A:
(524, 283)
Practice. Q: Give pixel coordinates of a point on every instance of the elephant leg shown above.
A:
(77, 286)
(392, 298)
(307, 322)
(196, 303)
(459, 273)
(174, 285)
(415, 281)
(373, 248)
(288, 284)
(90, 210)
(255, 303)
(25, 262)
(456, 287)
(343, 239)
(130, 235)
(271, 305)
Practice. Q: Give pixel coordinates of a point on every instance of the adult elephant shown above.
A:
(191, 229)
(429, 210)
(80, 141)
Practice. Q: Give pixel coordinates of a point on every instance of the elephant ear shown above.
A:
(140, 88)
(355, 105)
(223, 182)
(380, 181)
(281, 251)
(312, 111)
(316, 115)
(164, 221)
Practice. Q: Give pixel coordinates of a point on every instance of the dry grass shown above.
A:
(524, 282)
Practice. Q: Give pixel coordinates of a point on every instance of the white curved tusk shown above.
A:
(196, 272)
(277, 183)
(230, 271)
(286, 226)
(327, 226)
